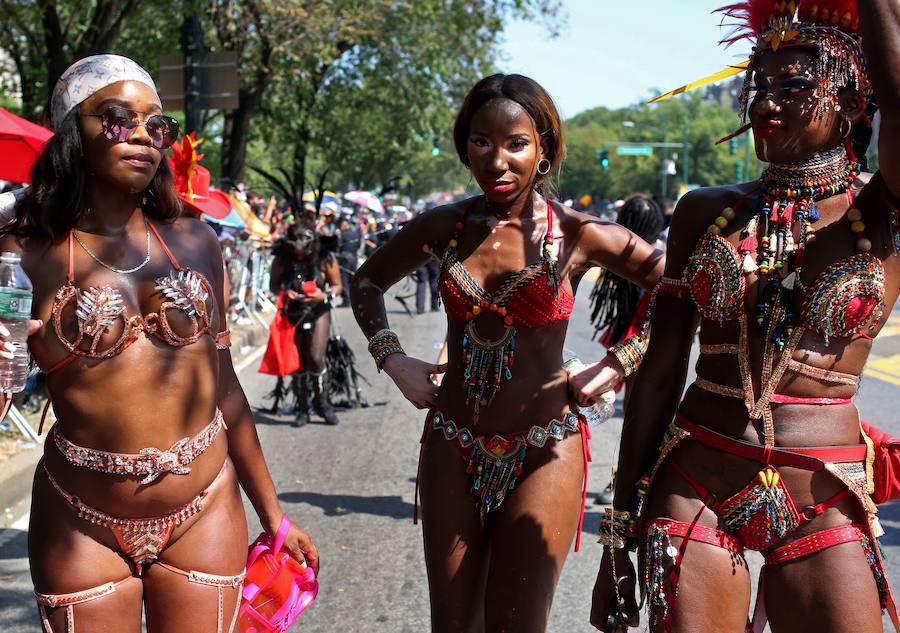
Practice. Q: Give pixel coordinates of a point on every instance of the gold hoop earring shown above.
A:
(849, 126)
(545, 171)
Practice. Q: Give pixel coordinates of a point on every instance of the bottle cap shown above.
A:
(10, 257)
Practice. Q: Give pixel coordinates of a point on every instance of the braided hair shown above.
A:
(614, 301)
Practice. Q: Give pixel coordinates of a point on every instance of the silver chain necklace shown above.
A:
(113, 268)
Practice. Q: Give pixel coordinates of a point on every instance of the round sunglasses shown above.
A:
(118, 124)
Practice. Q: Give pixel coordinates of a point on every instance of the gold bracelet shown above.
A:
(385, 343)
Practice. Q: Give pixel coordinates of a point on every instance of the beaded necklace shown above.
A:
(489, 362)
(788, 202)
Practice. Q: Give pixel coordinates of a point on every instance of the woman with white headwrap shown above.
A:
(130, 328)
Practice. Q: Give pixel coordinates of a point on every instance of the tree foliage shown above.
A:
(696, 118)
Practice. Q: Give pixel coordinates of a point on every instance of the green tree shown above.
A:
(42, 37)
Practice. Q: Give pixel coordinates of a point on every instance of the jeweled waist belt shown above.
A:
(149, 463)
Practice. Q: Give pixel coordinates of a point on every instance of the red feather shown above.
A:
(750, 19)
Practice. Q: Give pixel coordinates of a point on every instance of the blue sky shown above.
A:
(615, 52)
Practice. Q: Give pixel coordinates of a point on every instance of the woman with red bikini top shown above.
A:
(136, 505)
(503, 456)
(789, 278)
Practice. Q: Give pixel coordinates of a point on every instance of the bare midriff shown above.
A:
(795, 425)
(537, 393)
(151, 395)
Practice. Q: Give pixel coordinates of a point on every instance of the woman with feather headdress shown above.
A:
(789, 277)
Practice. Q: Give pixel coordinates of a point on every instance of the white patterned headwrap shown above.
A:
(89, 75)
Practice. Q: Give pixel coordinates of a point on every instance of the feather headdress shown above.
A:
(831, 26)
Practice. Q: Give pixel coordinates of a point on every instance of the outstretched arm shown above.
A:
(880, 25)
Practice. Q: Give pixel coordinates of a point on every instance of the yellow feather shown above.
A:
(731, 71)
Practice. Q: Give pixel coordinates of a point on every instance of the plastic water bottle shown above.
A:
(15, 311)
(601, 410)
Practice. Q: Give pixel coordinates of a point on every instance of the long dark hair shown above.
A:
(614, 301)
(54, 203)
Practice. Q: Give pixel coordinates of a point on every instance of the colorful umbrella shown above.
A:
(365, 199)
(21, 142)
(330, 198)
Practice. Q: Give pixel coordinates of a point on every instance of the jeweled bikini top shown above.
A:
(529, 298)
(99, 307)
(845, 299)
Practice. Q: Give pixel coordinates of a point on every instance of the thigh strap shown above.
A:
(220, 583)
(815, 542)
(69, 600)
(700, 534)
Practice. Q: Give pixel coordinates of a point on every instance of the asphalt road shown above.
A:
(351, 486)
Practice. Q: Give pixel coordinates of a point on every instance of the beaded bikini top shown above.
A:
(99, 307)
(529, 298)
(845, 299)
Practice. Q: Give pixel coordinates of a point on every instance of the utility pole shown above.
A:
(193, 49)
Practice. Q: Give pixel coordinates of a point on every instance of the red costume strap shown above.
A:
(781, 399)
(70, 274)
(164, 246)
(701, 534)
(223, 339)
(815, 542)
(807, 458)
(585, 459)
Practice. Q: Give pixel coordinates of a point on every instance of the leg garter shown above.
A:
(69, 600)
(220, 583)
(661, 589)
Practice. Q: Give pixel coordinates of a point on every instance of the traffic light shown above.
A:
(435, 146)
(733, 146)
(739, 172)
(603, 159)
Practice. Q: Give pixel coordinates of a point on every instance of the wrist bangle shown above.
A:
(629, 353)
(618, 529)
(385, 343)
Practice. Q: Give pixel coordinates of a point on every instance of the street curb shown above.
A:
(16, 475)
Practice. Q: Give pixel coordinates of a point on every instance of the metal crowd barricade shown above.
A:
(249, 272)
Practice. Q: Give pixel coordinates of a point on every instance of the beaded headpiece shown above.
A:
(831, 27)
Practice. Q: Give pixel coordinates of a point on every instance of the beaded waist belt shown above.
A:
(149, 463)
(495, 462)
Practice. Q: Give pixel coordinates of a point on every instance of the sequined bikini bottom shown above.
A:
(495, 462)
(141, 538)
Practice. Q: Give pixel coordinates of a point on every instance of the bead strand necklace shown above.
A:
(788, 210)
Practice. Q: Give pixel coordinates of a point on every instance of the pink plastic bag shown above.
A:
(277, 589)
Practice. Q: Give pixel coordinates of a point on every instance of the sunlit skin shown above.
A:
(149, 396)
(500, 576)
(832, 590)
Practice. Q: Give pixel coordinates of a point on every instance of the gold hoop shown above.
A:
(547, 170)
(849, 126)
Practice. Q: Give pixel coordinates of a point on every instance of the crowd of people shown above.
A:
(787, 279)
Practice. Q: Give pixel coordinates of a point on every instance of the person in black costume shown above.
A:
(310, 280)
(348, 257)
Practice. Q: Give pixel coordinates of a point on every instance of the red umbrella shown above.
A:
(21, 142)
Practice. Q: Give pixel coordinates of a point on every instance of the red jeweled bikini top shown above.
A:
(846, 298)
(99, 307)
(527, 298)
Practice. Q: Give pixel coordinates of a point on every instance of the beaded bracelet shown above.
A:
(629, 353)
(618, 529)
(385, 343)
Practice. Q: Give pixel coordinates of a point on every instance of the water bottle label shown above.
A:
(15, 303)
